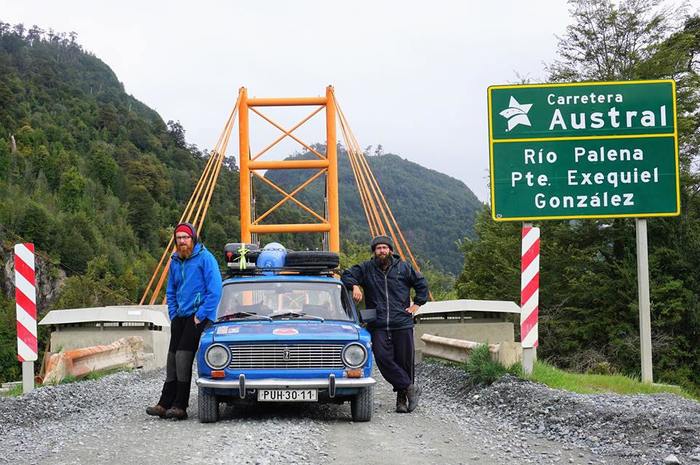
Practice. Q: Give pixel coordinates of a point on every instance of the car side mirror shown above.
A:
(368, 315)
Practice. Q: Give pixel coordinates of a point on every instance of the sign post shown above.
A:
(587, 150)
(25, 296)
(644, 304)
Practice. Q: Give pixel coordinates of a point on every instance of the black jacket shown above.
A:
(388, 292)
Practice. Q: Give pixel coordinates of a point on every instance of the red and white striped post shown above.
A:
(529, 294)
(25, 295)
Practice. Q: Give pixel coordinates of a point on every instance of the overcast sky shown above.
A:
(410, 75)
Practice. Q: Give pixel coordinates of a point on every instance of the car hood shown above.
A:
(284, 331)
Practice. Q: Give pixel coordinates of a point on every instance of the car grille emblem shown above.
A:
(286, 355)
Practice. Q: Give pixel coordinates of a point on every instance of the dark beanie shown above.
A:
(382, 240)
(187, 228)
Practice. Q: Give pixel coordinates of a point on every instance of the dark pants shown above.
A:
(393, 350)
(184, 340)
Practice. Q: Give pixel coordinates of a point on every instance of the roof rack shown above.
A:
(252, 270)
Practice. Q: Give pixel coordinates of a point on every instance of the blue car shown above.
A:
(286, 331)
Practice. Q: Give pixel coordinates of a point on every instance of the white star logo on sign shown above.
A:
(516, 113)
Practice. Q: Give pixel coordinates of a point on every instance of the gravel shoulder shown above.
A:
(639, 429)
(512, 421)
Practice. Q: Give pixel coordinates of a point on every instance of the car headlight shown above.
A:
(354, 355)
(217, 356)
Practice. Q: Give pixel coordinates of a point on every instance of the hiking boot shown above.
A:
(413, 394)
(156, 411)
(401, 402)
(176, 413)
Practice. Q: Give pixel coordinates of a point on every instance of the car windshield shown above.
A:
(282, 300)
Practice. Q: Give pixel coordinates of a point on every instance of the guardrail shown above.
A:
(458, 350)
(126, 352)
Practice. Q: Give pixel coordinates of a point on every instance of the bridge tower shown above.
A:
(324, 165)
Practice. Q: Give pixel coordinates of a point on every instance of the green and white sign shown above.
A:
(583, 150)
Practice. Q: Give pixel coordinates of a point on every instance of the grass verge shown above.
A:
(595, 384)
(15, 391)
(483, 370)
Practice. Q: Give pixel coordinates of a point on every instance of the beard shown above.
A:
(185, 250)
(383, 260)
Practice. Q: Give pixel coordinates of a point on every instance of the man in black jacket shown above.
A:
(387, 281)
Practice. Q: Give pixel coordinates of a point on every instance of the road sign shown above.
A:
(583, 150)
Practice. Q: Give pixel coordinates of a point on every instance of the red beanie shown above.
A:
(186, 228)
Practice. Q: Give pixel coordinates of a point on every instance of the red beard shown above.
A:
(184, 250)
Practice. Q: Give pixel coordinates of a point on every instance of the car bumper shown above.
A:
(242, 384)
(282, 383)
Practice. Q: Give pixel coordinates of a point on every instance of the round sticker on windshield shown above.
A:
(284, 331)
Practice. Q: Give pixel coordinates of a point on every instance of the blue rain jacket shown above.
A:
(194, 285)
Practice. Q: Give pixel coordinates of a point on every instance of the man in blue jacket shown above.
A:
(193, 294)
(387, 281)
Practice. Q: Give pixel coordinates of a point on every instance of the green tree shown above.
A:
(143, 214)
(102, 164)
(215, 239)
(96, 288)
(71, 190)
(588, 289)
(609, 41)
(37, 226)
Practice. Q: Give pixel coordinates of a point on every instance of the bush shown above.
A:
(481, 368)
(601, 368)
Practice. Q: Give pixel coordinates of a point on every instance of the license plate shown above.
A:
(288, 395)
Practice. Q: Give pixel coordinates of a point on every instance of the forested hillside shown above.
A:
(90, 175)
(85, 169)
(588, 311)
(434, 210)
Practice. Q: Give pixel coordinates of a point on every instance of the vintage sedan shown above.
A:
(286, 331)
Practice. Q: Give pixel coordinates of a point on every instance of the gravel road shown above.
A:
(512, 421)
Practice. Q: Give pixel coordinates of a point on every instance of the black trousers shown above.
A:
(184, 340)
(394, 354)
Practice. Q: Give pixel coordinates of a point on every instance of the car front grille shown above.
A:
(286, 356)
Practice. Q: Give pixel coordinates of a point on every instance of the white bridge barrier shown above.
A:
(458, 350)
(126, 352)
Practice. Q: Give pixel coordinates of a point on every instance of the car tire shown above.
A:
(361, 405)
(208, 407)
(313, 258)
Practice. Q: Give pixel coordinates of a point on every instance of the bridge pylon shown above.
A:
(324, 165)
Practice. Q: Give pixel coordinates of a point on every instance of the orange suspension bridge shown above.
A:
(380, 219)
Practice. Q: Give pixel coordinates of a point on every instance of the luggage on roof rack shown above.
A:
(310, 270)
(275, 259)
(233, 251)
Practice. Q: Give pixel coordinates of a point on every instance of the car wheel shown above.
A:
(313, 258)
(208, 407)
(361, 405)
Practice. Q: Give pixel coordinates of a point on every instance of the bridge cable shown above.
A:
(367, 203)
(197, 205)
(373, 197)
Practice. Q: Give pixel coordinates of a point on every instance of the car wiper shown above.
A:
(296, 315)
(241, 315)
